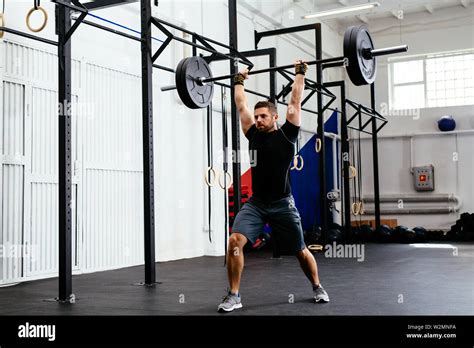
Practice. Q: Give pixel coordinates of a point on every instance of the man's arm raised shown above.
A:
(293, 113)
(246, 117)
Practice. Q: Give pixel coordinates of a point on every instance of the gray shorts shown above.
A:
(281, 215)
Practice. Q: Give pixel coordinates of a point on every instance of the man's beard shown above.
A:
(264, 129)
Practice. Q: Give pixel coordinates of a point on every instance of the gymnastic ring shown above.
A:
(352, 172)
(315, 247)
(30, 12)
(295, 163)
(355, 208)
(2, 24)
(317, 145)
(361, 208)
(221, 184)
(207, 176)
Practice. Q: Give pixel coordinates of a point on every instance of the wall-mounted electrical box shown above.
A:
(424, 178)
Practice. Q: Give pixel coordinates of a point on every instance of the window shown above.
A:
(445, 79)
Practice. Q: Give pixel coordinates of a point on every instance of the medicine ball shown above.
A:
(333, 235)
(384, 234)
(405, 234)
(336, 226)
(367, 233)
(439, 236)
(446, 123)
(467, 230)
(355, 234)
(420, 234)
(314, 236)
(398, 233)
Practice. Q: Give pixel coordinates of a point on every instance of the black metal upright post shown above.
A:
(64, 173)
(322, 152)
(147, 124)
(375, 155)
(234, 117)
(345, 162)
(273, 86)
(344, 150)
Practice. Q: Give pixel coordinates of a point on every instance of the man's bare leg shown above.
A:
(308, 265)
(235, 260)
(310, 269)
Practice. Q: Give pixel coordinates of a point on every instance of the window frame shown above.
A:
(423, 57)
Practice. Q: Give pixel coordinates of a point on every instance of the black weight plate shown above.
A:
(177, 78)
(201, 94)
(181, 82)
(187, 99)
(368, 66)
(348, 51)
(194, 94)
(361, 71)
(179, 69)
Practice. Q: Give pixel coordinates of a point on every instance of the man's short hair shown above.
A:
(266, 104)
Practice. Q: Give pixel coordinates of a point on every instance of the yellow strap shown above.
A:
(45, 21)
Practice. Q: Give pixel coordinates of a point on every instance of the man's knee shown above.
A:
(302, 254)
(236, 243)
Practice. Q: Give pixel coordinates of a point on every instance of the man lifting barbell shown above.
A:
(272, 200)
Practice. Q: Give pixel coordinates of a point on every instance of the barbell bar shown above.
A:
(195, 83)
(368, 54)
(271, 69)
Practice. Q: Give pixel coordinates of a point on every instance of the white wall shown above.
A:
(107, 179)
(394, 151)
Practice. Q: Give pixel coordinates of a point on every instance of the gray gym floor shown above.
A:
(394, 279)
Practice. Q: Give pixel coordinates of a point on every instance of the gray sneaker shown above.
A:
(320, 295)
(229, 303)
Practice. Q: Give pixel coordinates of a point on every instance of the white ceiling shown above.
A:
(384, 17)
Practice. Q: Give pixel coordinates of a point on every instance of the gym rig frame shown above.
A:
(65, 30)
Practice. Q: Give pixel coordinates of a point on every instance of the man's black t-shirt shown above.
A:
(272, 156)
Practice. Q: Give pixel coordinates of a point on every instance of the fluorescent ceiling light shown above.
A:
(343, 10)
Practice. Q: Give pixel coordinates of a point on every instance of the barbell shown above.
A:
(194, 80)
